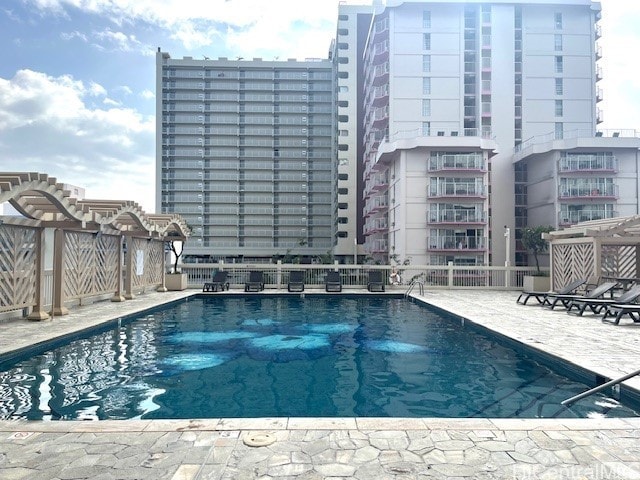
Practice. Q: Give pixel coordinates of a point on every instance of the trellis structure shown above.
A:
(596, 250)
(98, 247)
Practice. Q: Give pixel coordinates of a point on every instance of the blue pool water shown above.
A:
(289, 356)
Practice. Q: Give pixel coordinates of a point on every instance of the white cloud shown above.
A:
(255, 25)
(147, 94)
(109, 151)
(74, 34)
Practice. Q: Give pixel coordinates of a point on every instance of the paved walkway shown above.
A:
(364, 448)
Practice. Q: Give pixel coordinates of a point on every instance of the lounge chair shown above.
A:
(332, 282)
(618, 311)
(375, 281)
(296, 281)
(255, 283)
(541, 297)
(565, 300)
(219, 280)
(597, 305)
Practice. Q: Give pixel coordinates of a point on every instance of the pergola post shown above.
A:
(38, 312)
(58, 307)
(597, 258)
(117, 296)
(163, 287)
(128, 268)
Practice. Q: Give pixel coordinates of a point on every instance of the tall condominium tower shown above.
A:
(452, 92)
(246, 154)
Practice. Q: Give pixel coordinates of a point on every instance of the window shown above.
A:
(426, 63)
(343, 31)
(426, 41)
(343, 74)
(343, 162)
(426, 85)
(559, 86)
(343, 17)
(343, 118)
(343, 191)
(557, 41)
(558, 21)
(343, 176)
(559, 64)
(343, 46)
(343, 133)
(559, 130)
(426, 129)
(343, 220)
(558, 108)
(343, 147)
(343, 206)
(343, 234)
(343, 89)
(343, 60)
(426, 107)
(426, 19)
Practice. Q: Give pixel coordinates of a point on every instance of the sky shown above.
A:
(77, 77)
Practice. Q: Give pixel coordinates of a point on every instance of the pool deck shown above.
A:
(345, 448)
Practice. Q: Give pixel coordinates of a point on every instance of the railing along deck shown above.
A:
(356, 276)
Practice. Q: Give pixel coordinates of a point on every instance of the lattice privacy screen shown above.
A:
(18, 263)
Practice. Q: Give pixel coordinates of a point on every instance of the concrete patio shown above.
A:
(345, 448)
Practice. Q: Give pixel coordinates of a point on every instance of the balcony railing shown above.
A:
(457, 162)
(456, 216)
(588, 191)
(567, 218)
(456, 243)
(588, 163)
(456, 190)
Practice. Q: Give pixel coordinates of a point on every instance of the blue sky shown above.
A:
(77, 77)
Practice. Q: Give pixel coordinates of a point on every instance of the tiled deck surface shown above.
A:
(366, 448)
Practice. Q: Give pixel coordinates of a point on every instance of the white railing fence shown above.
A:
(356, 276)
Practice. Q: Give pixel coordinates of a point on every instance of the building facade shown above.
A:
(451, 91)
(246, 154)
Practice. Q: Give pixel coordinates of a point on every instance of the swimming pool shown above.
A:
(218, 357)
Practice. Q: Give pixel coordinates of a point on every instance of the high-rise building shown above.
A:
(453, 92)
(246, 154)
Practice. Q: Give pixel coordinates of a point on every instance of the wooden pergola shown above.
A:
(94, 248)
(597, 250)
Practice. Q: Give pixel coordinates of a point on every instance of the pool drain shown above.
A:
(259, 439)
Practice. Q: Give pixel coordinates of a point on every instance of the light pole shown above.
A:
(507, 236)
(507, 260)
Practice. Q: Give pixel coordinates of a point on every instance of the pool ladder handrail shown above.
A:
(413, 284)
(593, 390)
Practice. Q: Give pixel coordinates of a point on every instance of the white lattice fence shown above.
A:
(17, 267)
(619, 261)
(90, 264)
(572, 261)
(148, 262)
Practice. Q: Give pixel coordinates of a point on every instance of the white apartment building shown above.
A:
(452, 91)
(246, 154)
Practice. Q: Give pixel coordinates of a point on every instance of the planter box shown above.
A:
(536, 284)
(175, 281)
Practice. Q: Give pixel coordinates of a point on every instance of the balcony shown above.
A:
(456, 189)
(588, 163)
(375, 225)
(379, 246)
(376, 204)
(456, 243)
(457, 162)
(599, 96)
(457, 216)
(567, 218)
(380, 95)
(595, 190)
